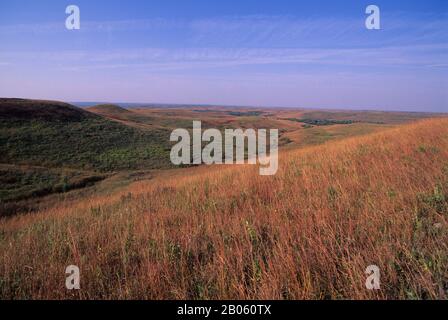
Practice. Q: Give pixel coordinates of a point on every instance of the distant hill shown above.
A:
(115, 112)
(22, 109)
(378, 117)
(108, 109)
(56, 134)
(125, 116)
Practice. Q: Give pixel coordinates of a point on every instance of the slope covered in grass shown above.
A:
(25, 182)
(44, 110)
(112, 111)
(108, 109)
(308, 232)
(56, 134)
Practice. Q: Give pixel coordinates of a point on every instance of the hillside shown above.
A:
(309, 232)
(42, 110)
(127, 117)
(51, 147)
(54, 134)
(108, 110)
(378, 117)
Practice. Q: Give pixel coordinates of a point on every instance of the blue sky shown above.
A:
(262, 53)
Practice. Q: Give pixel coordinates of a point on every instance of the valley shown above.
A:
(49, 148)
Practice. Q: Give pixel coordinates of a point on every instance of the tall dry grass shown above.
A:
(309, 232)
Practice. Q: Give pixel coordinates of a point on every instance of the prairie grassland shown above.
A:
(309, 232)
(320, 134)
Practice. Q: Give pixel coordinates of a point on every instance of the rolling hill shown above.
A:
(40, 110)
(54, 134)
(52, 147)
(309, 232)
(110, 111)
(79, 147)
(127, 117)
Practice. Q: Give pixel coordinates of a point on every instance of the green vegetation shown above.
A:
(245, 114)
(374, 117)
(72, 148)
(321, 122)
(315, 135)
(52, 147)
(114, 112)
(108, 109)
(92, 144)
(20, 183)
(81, 141)
(232, 113)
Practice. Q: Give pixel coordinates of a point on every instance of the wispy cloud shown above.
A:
(266, 30)
(93, 26)
(162, 59)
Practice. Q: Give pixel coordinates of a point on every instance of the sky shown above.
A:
(307, 54)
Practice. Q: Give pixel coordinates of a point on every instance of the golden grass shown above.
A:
(308, 232)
